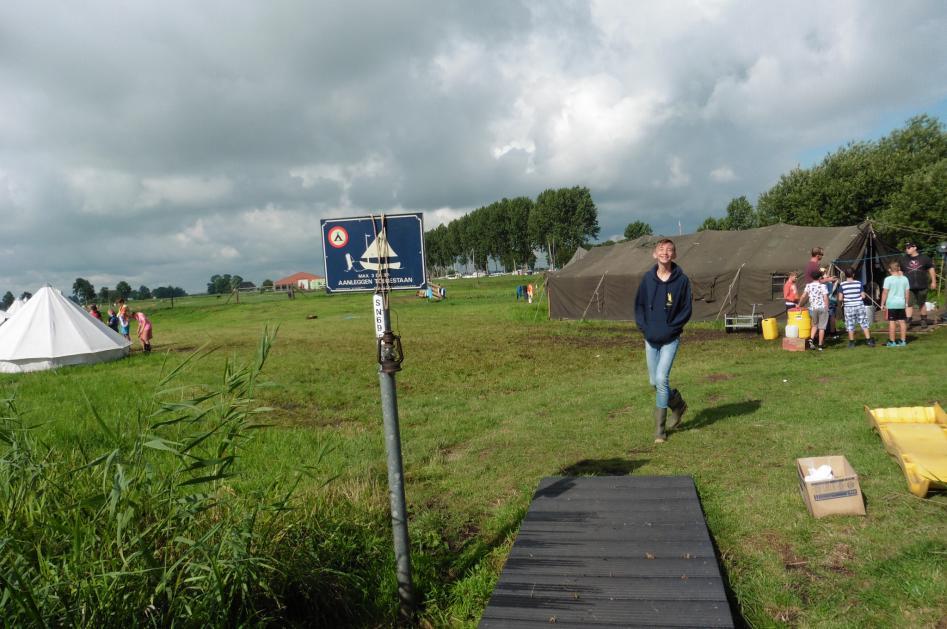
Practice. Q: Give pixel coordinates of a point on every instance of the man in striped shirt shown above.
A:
(853, 295)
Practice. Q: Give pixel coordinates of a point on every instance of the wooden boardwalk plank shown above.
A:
(525, 564)
(611, 552)
(614, 587)
(608, 614)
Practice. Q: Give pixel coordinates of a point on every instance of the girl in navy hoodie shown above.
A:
(662, 307)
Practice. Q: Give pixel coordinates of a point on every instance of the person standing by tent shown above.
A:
(815, 264)
(790, 292)
(113, 320)
(918, 268)
(662, 308)
(144, 329)
(895, 298)
(853, 301)
(124, 325)
(818, 297)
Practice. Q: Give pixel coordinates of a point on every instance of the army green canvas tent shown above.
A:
(580, 253)
(729, 270)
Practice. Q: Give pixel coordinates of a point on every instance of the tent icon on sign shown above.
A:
(378, 255)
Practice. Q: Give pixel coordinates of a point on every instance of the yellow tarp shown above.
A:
(916, 436)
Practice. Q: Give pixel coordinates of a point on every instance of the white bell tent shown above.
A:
(16, 305)
(50, 331)
(6, 315)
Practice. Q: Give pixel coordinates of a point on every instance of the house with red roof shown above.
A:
(300, 281)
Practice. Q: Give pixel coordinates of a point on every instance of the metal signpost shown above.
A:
(381, 254)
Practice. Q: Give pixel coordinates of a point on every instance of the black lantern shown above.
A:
(390, 352)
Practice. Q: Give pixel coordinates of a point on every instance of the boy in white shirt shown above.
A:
(818, 297)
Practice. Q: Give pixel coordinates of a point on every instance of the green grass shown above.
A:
(492, 398)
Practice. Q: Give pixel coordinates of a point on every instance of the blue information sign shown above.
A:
(364, 253)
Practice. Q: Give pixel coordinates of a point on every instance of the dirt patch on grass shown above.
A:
(455, 535)
(840, 558)
(771, 540)
(622, 336)
(618, 412)
(466, 532)
(613, 329)
(288, 414)
(787, 615)
(177, 349)
(717, 377)
(699, 335)
(453, 453)
(787, 555)
(589, 341)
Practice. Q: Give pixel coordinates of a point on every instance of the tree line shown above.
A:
(509, 231)
(897, 181)
(227, 283)
(9, 298)
(84, 292)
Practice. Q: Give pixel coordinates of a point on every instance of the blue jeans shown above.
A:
(660, 358)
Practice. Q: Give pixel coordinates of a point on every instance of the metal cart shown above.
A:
(752, 321)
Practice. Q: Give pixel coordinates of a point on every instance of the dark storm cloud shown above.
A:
(166, 143)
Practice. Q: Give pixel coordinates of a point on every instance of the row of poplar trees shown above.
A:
(510, 231)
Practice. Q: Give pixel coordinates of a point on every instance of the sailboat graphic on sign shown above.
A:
(379, 254)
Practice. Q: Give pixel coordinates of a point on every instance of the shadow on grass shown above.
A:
(603, 467)
(712, 415)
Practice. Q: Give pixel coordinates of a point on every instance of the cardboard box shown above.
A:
(794, 345)
(842, 495)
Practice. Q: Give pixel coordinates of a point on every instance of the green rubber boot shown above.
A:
(678, 407)
(660, 417)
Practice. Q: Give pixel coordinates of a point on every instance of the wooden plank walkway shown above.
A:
(611, 551)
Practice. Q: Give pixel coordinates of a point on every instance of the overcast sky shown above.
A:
(163, 142)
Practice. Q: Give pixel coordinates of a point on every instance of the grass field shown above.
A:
(493, 397)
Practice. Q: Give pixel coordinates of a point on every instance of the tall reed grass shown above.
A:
(147, 532)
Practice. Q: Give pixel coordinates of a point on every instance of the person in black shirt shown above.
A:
(918, 268)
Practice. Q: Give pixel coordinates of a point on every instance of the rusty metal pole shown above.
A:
(389, 362)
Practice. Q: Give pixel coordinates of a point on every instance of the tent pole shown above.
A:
(539, 298)
(940, 285)
(594, 293)
(727, 298)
